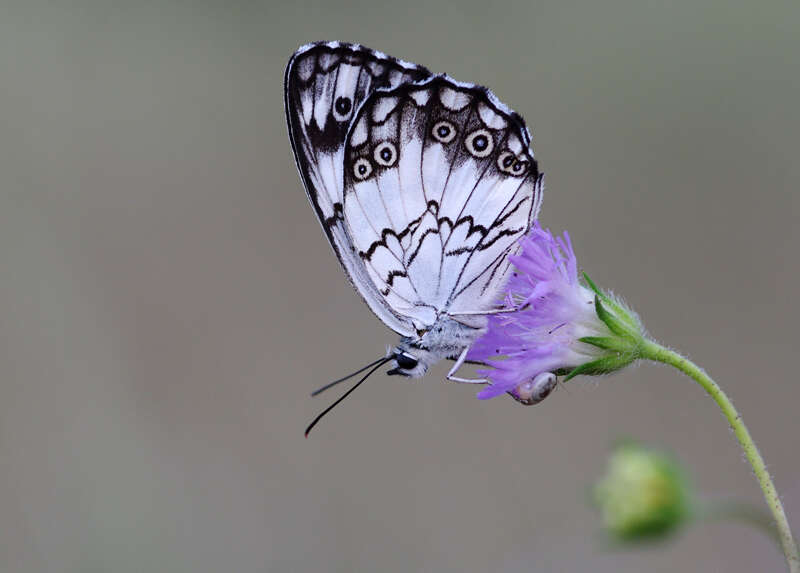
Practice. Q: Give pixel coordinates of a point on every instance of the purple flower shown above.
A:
(562, 327)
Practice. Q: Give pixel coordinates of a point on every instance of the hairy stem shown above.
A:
(656, 352)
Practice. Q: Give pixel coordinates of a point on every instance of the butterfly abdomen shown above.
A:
(446, 338)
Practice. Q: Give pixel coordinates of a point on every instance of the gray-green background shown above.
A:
(168, 300)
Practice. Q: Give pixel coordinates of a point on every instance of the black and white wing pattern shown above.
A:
(422, 184)
(324, 86)
(439, 185)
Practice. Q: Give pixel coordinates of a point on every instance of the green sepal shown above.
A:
(614, 324)
(577, 371)
(603, 365)
(623, 313)
(594, 287)
(608, 343)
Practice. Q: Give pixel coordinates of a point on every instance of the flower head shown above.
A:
(562, 326)
(643, 494)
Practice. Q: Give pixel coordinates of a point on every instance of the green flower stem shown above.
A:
(653, 351)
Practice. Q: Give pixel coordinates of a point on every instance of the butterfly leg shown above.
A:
(459, 362)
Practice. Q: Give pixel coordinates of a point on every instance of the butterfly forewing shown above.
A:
(324, 86)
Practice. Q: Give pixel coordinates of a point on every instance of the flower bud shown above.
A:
(642, 495)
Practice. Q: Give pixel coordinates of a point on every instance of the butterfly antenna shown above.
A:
(342, 379)
(377, 364)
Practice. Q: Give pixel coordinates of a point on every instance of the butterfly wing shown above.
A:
(439, 185)
(324, 86)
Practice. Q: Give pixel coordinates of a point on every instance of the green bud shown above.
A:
(643, 494)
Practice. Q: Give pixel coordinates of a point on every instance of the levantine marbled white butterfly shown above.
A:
(423, 186)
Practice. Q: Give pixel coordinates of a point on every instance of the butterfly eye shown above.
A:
(443, 132)
(536, 390)
(362, 168)
(406, 361)
(479, 143)
(342, 107)
(385, 154)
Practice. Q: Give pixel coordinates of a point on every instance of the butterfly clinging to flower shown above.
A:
(423, 186)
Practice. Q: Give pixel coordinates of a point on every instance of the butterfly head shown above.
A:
(410, 361)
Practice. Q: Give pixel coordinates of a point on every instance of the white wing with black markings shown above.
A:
(324, 86)
(422, 184)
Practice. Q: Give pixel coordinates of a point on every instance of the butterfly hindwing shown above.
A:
(324, 86)
(439, 184)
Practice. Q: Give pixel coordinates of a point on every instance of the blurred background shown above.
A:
(168, 299)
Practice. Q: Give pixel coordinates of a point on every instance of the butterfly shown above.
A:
(423, 186)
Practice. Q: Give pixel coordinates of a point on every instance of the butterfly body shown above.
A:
(446, 338)
(423, 186)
